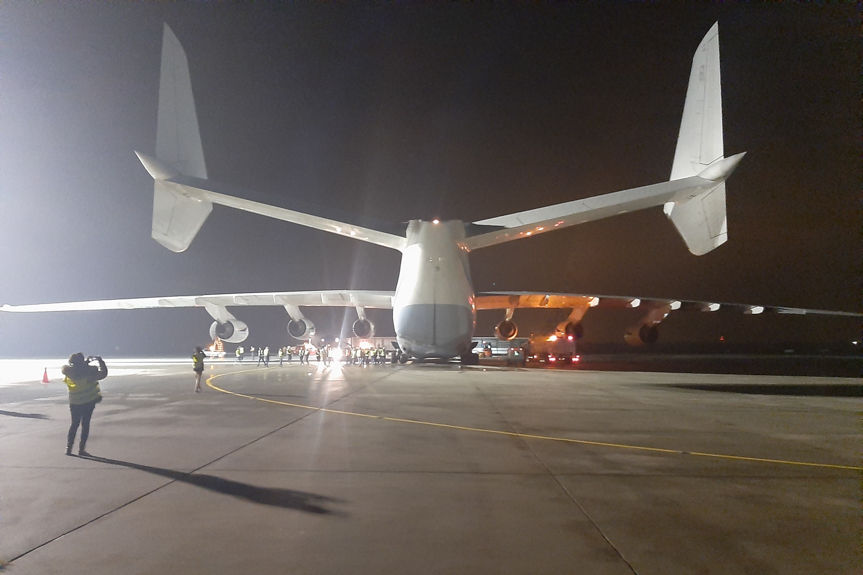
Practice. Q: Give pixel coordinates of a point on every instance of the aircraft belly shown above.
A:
(439, 330)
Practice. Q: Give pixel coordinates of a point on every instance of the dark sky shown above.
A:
(420, 111)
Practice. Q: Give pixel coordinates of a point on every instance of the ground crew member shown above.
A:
(240, 353)
(82, 380)
(198, 367)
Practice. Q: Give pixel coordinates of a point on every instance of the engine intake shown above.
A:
(301, 328)
(232, 331)
(364, 328)
(506, 330)
(571, 329)
(640, 335)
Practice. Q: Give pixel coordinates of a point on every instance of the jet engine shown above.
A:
(364, 328)
(570, 329)
(232, 331)
(301, 328)
(506, 330)
(640, 335)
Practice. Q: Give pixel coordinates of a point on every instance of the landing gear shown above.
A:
(403, 358)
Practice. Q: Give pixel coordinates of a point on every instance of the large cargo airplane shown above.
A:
(434, 304)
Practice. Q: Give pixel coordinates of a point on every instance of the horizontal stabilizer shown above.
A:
(182, 195)
(558, 216)
(694, 197)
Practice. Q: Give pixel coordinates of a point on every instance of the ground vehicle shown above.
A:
(552, 351)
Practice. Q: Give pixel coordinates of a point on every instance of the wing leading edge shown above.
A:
(644, 330)
(334, 298)
(520, 299)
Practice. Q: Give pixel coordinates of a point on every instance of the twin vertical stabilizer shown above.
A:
(178, 212)
(701, 219)
(694, 198)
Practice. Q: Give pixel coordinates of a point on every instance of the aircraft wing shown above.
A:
(520, 299)
(334, 298)
(644, 330)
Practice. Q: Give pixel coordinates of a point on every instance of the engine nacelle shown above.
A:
(642, 334)
(232, 331)
(301, 328)
(364, 328)
(570, 329)
(506, 330)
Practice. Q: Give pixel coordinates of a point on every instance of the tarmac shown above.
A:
(432, 469)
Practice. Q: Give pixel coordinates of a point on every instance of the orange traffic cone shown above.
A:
(45, 376)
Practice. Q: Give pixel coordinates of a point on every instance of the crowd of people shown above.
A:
(324, 354)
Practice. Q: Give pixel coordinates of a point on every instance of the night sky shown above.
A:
(383, 114)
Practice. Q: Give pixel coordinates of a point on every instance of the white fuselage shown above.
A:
(433, 306)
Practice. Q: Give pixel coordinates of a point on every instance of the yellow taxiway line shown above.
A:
(523, 435)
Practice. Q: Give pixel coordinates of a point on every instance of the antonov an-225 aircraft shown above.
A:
(434, 304)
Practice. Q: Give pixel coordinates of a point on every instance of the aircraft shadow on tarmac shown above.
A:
(287, 498)
(27, 415)
(819, 390)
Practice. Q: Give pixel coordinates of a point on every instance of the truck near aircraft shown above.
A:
(552, 351)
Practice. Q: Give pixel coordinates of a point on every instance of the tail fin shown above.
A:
(178, 212)
(701, 219)
(699, 142)
(178, 140)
